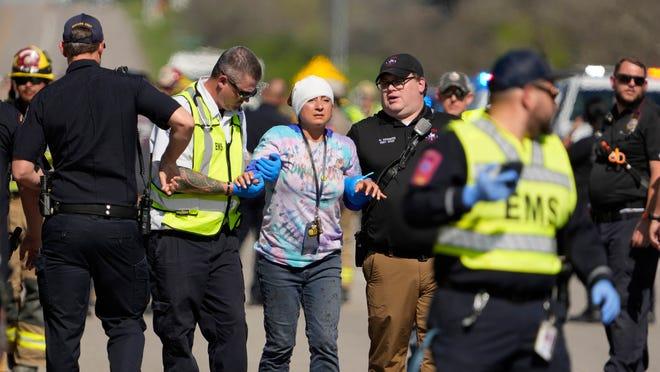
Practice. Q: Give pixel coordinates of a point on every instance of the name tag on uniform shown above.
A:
(383, 141)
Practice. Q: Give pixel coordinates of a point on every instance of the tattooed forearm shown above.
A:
(197, 183)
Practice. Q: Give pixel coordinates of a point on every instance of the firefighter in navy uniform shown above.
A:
(502, 190)
(31, 71)
(88, 119)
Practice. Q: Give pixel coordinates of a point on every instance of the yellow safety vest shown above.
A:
(205, 214)
(13, 186)
(517, 234)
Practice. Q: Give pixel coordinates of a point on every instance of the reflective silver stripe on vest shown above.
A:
(208, 139)
(542, 174)
(482, 242)
(189, 204)
(537, 153)
(507, 148)
(533, 172)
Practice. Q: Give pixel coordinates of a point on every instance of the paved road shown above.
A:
(587, 342)
(26, 22)
(41, 22)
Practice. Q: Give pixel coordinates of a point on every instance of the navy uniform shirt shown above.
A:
(434, 199)
(88, 119)
(380, 140)
(9, 119)
(636, 132)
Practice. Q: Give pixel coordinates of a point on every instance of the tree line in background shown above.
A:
(444, 34)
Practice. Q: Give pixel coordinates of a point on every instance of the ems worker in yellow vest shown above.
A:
(195, 267)
(501, 187)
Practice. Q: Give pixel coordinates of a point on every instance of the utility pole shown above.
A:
(339, 34)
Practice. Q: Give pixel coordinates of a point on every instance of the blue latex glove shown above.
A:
(352, 199)
(604, 295)
(490, 185)
(270, 167)
(251, 191)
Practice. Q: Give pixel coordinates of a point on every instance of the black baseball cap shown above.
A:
(400, 65)
(86, 21)
(517, 68)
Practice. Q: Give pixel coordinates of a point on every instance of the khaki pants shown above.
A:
(399, 294)
(25, 320)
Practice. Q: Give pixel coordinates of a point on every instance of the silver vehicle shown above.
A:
(593, 81)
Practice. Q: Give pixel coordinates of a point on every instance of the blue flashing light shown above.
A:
(484, 78)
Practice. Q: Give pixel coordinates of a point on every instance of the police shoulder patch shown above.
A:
(431, 160)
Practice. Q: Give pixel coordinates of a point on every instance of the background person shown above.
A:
(455, 92)
(9, 121)
(298, 251)
(619, 197)
(581, 155)
(31, 71)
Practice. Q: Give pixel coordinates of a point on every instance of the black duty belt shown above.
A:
(508, 295)
(401, 254)
(104, 210)
(618, 212)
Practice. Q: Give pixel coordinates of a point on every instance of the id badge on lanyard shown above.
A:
(313, 229)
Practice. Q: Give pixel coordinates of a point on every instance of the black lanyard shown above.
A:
(318, 183)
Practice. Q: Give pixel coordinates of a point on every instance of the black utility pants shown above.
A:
(501, 339)
(634, 273)
(77, 248)
(198, 280)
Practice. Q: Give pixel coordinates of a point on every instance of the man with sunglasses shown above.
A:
(499, 186)
(196, 275)
(620, 196)
(31, 71)
(455, 93)
(397, 267)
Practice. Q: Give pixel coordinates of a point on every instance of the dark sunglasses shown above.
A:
(459, 93)
(396, 83)
(22, 80)
(241, 93)
(553, 93)
(625, 79)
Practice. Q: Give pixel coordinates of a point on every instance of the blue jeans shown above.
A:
(318, 288)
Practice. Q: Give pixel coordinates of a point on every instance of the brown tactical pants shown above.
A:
(399, 294)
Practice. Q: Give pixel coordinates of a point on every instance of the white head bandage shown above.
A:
(310, 87)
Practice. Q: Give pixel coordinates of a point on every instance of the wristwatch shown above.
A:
(652, 216)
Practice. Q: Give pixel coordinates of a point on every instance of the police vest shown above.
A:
(205, 214)
(516, 234)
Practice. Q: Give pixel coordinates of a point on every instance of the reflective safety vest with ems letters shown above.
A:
(205, 214)
(516, 234)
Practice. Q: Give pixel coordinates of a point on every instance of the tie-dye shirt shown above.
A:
(291, 201)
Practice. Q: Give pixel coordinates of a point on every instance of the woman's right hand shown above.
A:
(370, 188)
